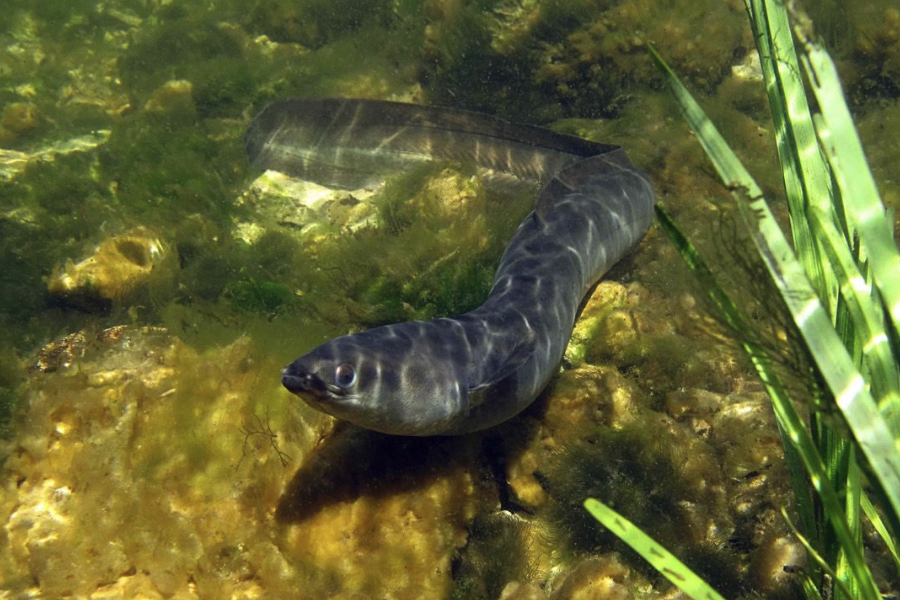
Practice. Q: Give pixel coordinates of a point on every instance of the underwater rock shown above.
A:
(64, 352)
(682, 494)
(384, 515)
(874, 29)
(172, 97)
(757, 481)
(590, 395)
(576, 399)
(615, 326)
(148, 469)
(776, 561)
(500, 558)
(423, 244)
(306, 207)
(694, 405)
(607, 296)
(741, 428)
(13, 162)
(524, 487)
(513, 22)
(20, 118)
(93, 89)
(316, 211)
(450, 192)
(883, 151)
(116, 269)
(64, 534)
(41, 539)
(748, 69)
(744, 430)
(522, 591)
(316, 22)
(545, 60)
(598, 577)
(608, 56)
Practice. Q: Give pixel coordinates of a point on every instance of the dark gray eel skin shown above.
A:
(457, 375)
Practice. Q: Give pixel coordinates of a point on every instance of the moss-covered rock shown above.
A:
(546, 60)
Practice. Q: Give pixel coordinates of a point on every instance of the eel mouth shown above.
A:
(312, 388)
(308, 386)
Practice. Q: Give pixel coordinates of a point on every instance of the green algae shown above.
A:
(165, 172)
(252, 295)
(50, 212)
(67, 195)
(619, 467)
(638, 471)
(372, 63)
(11, 390)
(423, 261)
(426, 255)
(494, 556)
(315, 23)
(577, 58)
(225, 71)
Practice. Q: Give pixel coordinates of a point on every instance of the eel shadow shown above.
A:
(355, 462)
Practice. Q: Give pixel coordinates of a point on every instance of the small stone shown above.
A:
(522, 591)
(174, 96)
(115, 269)
(597, 577)
(20, 117)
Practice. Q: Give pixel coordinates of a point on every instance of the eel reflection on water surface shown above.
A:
(462, 374)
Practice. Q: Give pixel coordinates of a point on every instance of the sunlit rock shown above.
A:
(143, 468)
(605, 577)
(115, 270)
(20, 117)
(172, 97)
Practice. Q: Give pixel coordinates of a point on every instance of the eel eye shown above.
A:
(344, 375)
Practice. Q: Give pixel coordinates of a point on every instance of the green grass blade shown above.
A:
(882, 530)
(857, 295)
(862, 201)
(662, 560)
(810, 590)
(805, 172)
(852, 489)
(808, 184)
(843, 379)
(804, 144)
(835, 365)
(801, 439)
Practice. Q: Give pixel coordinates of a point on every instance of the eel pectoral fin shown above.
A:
(482, 390)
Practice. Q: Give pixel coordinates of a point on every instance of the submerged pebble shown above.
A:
(111, 273)
(20, 117)
(174, 96)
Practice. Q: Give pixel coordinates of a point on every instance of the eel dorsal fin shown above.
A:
(349, 143)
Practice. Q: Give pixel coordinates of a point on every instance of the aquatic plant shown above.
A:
(541, 61)
(314, 23)
(253, 295)
(496, 553)
(634, 460)
(841, 291)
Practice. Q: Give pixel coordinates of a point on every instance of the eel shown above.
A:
(451, 376)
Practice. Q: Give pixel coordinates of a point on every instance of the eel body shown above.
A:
(457, 375)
